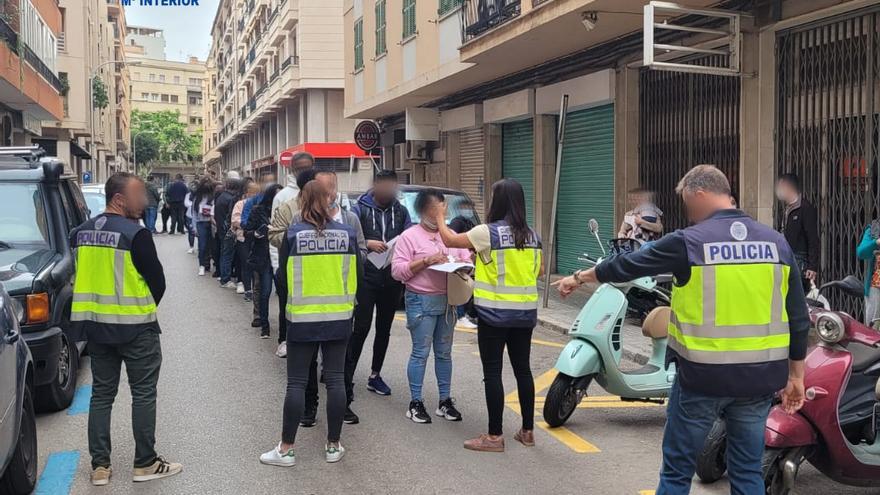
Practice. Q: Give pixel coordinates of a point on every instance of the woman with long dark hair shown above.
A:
(508, 264)
(259, 264)
(202, 216)
(318, 315)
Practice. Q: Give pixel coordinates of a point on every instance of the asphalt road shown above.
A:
(220, 397)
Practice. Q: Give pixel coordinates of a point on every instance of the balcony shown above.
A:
(292, 60)
(481, 16)
(31, 87)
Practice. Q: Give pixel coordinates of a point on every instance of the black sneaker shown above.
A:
(256, 323)
(309, 418)
(350, 417)
(248, 296)
(417, 413)
(447, 410)
(264, 334)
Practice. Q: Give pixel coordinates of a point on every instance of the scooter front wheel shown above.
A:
(563, 398)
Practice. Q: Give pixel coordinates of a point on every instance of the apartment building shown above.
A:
(469, 91)
(167, 85)
(279, 84)
(92, 137)
(30, 86)
(151, 41)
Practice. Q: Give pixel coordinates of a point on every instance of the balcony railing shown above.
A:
(252, 54)
(252, 104)
(292, 60)
(8, 35)
(480, 16)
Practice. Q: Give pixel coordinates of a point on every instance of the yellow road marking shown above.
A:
(569, 438)
(541, 383)
(646, 492)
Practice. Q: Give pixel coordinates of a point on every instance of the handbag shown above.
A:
(459, 287)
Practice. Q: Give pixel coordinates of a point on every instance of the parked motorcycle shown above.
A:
(595, 349)
(837, 429)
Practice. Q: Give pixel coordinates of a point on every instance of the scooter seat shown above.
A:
(863, 356)
(656, 324)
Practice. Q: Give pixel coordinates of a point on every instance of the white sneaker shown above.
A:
(190, 251)
(239, 288)
(465, 322)
(277, 458)
(334, 454)
(201, 271)
(282, 350)
(228, 285)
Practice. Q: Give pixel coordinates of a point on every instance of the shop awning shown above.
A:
(77, 151)
(323, 150)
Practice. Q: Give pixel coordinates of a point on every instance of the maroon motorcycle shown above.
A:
(837, 429)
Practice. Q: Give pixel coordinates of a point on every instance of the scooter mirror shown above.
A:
(594, 226)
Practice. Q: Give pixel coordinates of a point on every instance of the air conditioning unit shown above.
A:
(400, 156)
(417, 151)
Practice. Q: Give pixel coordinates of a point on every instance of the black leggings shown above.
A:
(491, 341)
(299, 360)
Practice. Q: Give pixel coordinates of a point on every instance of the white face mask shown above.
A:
(429, 224)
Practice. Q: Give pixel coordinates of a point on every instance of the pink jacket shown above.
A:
(414, 244)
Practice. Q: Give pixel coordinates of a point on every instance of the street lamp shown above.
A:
(134, 150)
(92, 77)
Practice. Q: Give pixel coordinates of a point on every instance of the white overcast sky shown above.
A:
(187, 29)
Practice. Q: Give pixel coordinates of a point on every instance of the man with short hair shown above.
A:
(800, 225)
(223, 221)
(153, 198)
(175, 196)
(737, 331)
(115, 254)
(382, 218)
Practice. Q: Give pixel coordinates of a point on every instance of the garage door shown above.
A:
(471, 163)
(518, 158)
(586, 185)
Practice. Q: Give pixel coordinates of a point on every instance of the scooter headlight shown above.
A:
(830, 328)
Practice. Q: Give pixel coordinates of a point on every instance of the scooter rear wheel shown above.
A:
(563, 397)
(712, 461)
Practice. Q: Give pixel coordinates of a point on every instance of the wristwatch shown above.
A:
(577, 277)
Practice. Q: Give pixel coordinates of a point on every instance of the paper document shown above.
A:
(450, 267)
(381, 260)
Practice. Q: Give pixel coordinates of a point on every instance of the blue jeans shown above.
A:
(689, 417)
(190, 232)
(430, 322)
(150, 218)
(264, 278)
(203, 230)
(227, 253)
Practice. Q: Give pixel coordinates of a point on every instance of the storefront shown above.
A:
(518, 158)
(353, 167)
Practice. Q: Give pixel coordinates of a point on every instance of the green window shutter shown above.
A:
(518, 159)
(447, 6)
(381, 47)
(409, 18)
(586, 185)
(359, 44)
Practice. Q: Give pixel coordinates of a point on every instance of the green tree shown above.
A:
(99, 93)
(173, 142)
(147, 147)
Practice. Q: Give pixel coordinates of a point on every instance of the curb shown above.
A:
(557, 327)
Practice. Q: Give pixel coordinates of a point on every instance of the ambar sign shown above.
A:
(366, 135)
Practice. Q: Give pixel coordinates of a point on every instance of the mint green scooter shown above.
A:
(595, 349)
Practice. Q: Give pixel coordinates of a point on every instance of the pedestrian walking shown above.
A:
(153, 198)
(429, 318)
(318, 316)
(203, 215)
(800, 225)
(175, 194)
(738, 329)
(382, 219)
(868, 251)
(119, 282)
(508, 264)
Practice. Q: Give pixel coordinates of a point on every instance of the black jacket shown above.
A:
(223, 211)
(801, 230)
(380, 224)
(256, 231)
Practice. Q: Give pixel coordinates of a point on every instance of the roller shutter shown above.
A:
(471, 157)
(586, 185)
(518, 159)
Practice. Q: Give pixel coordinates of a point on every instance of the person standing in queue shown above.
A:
(382, 218)
(508, 264)
(429, 318)
(322, 282)
(738, 329)
(800, 226)
(119, 282)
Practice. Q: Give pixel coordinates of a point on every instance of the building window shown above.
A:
(165, 98)
(409, 18)
(447, 6)
(174, 99)
(145, 96)
(161, 77)
(359, 44)
(152, 77)
(381, 47)
(194, 81)
(154, 96)
(176, 79)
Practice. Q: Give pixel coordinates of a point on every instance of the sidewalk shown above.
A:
(559, 315)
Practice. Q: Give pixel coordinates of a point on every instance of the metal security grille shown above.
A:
(471, 169)
(686, 119)
(828, 93)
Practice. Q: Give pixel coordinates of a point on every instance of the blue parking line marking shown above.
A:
(81, 399)
(58, 475)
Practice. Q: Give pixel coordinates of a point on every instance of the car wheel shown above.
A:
(21, 473)
(58, 394)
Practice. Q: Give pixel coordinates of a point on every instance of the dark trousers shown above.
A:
(281, 292)
(178, 216)
(191, 231)
(263, 280)
(150, 218)
(491, 341)
(205, 243)
(300, 360)
(143, 358)
(227, 253)
(242, 253)
(384, 300)
(166, 215)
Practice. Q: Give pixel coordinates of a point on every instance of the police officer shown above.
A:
(738, 329)
(119, 281)
(321, 269)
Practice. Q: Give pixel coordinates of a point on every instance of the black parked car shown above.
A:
(39, 206)
(18, 427)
